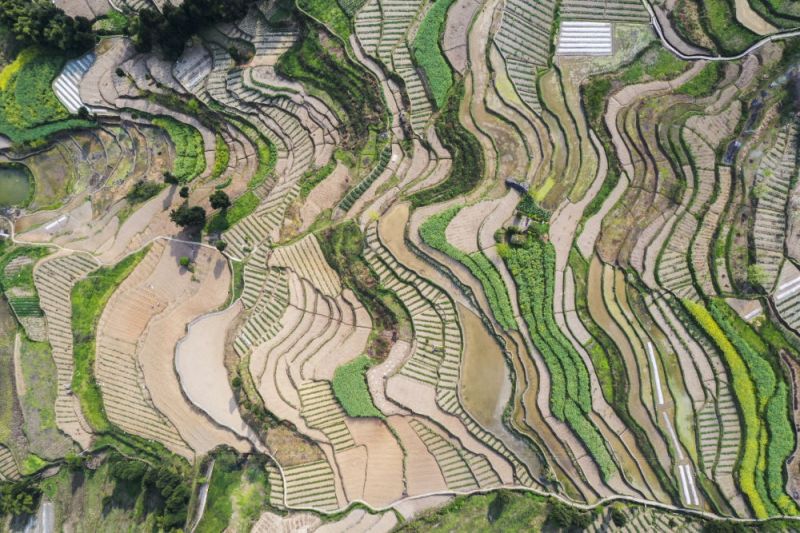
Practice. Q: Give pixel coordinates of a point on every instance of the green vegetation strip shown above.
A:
(744, 391)
(433, 234)
(190, 160)
(222, 156)
(719, 22)
(533, 267)
(350, 388)
(772, 409)
(89, 297)
(609, 366)
(465, 150)
(428, 52)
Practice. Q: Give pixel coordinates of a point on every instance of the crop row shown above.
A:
(433, 234)
(356, 192)
(25, 306)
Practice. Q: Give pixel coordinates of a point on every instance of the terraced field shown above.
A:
(367, 260)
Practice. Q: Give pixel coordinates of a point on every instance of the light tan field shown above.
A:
(137, 334)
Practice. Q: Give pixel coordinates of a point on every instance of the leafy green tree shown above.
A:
(220, 200)
(18, 498)
(188, 217)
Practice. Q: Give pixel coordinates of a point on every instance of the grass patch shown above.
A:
(703, 84)
(20, 277)
(32, 464)
(467, 156)
(190, 160)
(350, 388)
(241, 207)
(428, 53)
(237, 492)
(89, 297)
(355, 193)
(503, 511)
(653, 63)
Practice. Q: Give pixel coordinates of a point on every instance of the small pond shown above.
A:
(16, 185)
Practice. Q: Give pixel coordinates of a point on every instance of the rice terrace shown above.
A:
(399, 265)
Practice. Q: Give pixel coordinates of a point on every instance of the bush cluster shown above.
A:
(173, 26)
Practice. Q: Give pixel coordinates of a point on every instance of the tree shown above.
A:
(18, 498)
(184, 192)
(221, 245)
(42, 23)
(188, 217)
(220, 200)
(170, 179)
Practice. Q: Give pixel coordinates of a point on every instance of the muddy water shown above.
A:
(485, 386)
(16, 185)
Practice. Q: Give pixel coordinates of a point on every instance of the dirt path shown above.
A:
(19, 378)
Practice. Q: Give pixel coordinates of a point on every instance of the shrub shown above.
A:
(143, 191)
(350, 388)
(703, 84)
(312, 178)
